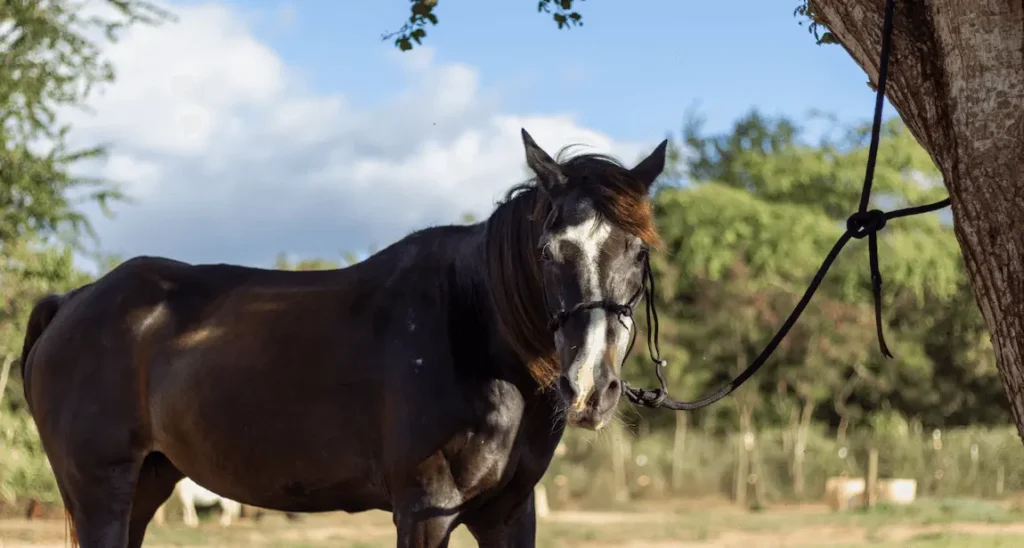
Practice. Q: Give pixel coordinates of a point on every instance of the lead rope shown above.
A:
(863, 223)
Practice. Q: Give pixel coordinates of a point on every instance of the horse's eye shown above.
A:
(545, 254)
(641, 256)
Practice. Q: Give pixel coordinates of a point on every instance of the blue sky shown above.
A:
(254, 127)
(631, 70)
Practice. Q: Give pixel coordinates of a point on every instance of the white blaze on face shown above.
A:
(589, 237)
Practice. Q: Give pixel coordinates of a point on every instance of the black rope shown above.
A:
(863, 223)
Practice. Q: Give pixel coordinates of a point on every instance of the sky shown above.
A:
(253, 127)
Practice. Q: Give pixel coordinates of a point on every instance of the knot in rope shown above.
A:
(866, 223)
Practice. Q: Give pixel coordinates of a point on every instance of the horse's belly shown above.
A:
(313, 454)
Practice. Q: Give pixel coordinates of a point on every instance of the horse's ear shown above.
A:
(549, 175)
(650, 167)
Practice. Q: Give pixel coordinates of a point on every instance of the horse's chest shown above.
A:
(507, 444)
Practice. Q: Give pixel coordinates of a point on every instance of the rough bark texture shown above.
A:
(957, 78)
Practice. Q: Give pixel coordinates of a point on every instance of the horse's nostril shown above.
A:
(613, 386)
(566, 388)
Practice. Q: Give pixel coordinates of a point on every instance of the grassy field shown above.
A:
(928, 524)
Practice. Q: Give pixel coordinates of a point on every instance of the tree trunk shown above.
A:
(619, 456)
(789, 435)
(679, 450)
(844, 423)
(957, 79)
(800, 447)
(743, 457)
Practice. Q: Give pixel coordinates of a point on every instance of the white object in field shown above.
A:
(540, 501)
(842, 492)
(897, 490)
(192, 494)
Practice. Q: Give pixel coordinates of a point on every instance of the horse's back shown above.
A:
(152, 325)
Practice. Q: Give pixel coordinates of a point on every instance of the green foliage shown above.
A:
(28, 270)
(24, 470)
(806, 13)
(421, 13)
(709, 463)
(51, 59)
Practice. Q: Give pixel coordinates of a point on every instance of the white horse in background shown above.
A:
(192, 494)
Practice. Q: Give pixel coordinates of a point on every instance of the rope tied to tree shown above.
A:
(862, 224)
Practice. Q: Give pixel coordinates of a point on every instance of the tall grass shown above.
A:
(581, 469)
(944, 469)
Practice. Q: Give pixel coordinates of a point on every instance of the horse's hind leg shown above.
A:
(156, 482)
(98, 495)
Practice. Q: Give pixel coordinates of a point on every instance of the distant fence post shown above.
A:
(1000, 480)
(619, 452)
(871, 482)
(975, 457)
(744, 448)
(679, 450)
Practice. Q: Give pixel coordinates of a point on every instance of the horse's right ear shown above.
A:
(549, 175)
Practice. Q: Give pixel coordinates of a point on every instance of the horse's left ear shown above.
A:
(549, 175)
(650, 167)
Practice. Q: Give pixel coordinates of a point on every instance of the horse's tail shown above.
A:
(69, 529)
(39, 319)
(42, 314)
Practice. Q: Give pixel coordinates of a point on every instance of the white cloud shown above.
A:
(229, 158)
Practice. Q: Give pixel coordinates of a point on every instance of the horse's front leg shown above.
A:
(423, 528)
(518, 532)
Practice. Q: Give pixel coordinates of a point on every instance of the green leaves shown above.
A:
(51, 62)
(563, 14)
(421, 13)
(806, 12)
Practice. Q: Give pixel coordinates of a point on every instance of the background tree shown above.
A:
(52, 60)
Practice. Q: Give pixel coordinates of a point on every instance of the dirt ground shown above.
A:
(964, 524)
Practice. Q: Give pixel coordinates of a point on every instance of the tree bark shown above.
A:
(800, 447)
(957, 79)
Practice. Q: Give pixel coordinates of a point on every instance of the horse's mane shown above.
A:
(513, 266)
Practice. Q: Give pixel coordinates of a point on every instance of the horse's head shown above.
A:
(593, 246)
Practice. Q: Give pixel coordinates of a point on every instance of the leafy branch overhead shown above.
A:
(806, 11)
(422, 13)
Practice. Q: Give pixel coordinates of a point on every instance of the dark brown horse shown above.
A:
(433, 379)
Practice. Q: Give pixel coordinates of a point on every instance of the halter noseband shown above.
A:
(621, 311)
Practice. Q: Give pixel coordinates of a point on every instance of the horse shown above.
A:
(432, 380)
(192, 494)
